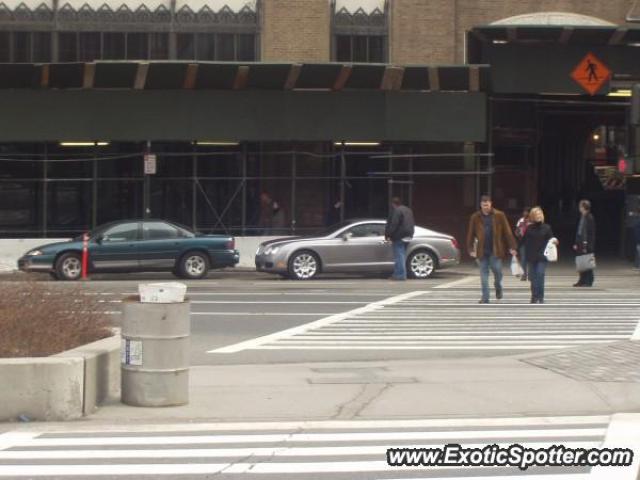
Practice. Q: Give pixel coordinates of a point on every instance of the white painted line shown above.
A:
(545, 306)
(563, 476)
(456, 283)
(316, 324)
(623, 432)
(466, 423)
(410, 336)
(271, 302)
(258, 314)
(428, 343)
(411, 347)
(636, 336)
(12, 439)
(458, 435)
(250, 451)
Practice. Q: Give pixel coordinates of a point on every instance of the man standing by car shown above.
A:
(399, 230)
(488, 237)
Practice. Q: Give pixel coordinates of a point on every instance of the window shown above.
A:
(246, 50)
(41, 47)
(126, 232)
(21, 47)
(360, 48)
(68, 47)
(206, 43)
(185, 46)
(90, 46)
(159, 46)
(137, 46)
(159, 231)
(226, 47)
(367, 230)
(5, 47)
(113, 46)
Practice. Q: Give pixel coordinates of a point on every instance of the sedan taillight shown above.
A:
(231, 245)
(455, 243)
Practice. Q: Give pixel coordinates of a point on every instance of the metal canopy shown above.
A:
(163, 75)
(568, 35)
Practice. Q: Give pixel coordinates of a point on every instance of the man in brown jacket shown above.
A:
(489, 238)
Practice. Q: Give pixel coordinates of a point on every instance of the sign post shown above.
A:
(85, 255)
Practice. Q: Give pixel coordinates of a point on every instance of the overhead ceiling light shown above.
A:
(357, 144)
(620, 93)
(596, 137)
(217, 144)
(500, 42)
(84, 144)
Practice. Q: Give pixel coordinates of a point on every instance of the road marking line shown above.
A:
(317, 324)
(260, 314)
(623, 432)
(373, 337)
(250, 451)
(224, 439)
(270, 302)
(594, 421)
(412, 347)
(12, 439)
(636, 336)
(455, 283)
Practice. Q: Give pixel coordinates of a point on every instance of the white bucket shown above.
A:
(170, 292)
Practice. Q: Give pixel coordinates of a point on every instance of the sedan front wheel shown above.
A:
(304, 265)
(421, 264)
(68, 267)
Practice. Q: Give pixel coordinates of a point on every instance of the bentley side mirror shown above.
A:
(347, 236)
(99, 239)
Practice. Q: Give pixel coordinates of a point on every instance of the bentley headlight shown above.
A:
(34, 253)
(271, 250)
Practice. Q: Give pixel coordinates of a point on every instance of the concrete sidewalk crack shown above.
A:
(367, 394)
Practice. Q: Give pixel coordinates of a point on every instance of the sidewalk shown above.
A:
(491, 387)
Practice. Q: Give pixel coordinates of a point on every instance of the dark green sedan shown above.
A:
(135, 246)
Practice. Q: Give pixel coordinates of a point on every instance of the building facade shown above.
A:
(328, 106)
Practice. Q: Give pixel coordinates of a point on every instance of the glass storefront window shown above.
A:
(68, 47)
(90, 46)
(137, 46)
(113, 45)
(185, 46)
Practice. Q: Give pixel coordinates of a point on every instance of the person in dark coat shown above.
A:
(535, 242)
(399, 231)
(585, 241)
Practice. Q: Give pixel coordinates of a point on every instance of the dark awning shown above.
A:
(163, 75)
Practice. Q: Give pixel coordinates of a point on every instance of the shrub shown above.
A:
(38, 319)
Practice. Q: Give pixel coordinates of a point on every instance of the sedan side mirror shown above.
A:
(99, 239)
(347, 236)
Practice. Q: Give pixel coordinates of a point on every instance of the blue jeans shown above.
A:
(536, 276)
(495, 264)
(400, 259)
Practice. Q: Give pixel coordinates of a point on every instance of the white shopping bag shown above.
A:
(516, 268)
(551, 251)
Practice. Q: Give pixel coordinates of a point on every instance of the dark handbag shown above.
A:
(585, 262)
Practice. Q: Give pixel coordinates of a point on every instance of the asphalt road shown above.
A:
(251, 318)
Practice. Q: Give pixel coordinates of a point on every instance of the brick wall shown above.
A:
(296, 30)
(422, 31)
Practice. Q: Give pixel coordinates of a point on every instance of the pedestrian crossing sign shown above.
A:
(591, 74)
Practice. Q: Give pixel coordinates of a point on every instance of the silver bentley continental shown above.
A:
(355, 246)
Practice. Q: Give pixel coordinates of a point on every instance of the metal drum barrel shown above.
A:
(155, 353)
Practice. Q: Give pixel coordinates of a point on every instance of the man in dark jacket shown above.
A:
(399, 230)
(585, 241)
(488, 239)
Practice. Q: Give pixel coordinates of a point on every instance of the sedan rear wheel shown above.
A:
(194, 265)
(304, 265)
(421, 264)
(69, 267)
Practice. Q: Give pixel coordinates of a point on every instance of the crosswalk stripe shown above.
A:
(298, 450)
(445, 321)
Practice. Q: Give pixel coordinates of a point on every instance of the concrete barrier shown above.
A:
(61, 387)
(12, 249)
(101, 371)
